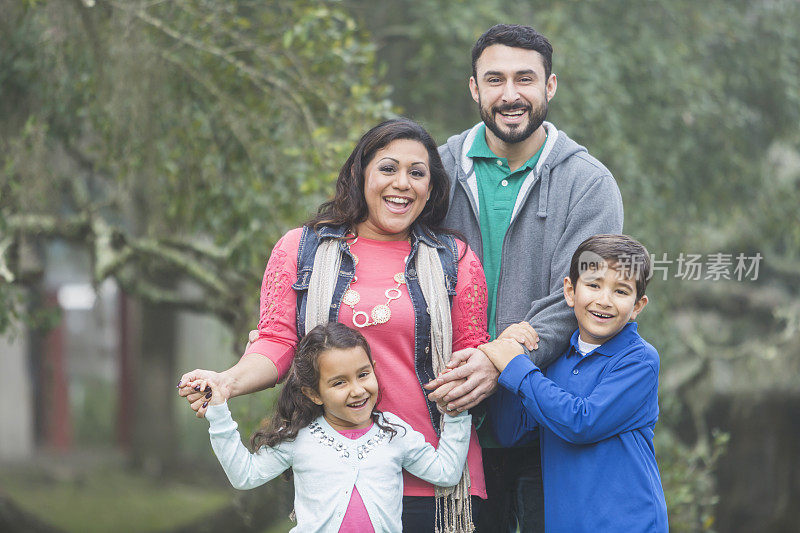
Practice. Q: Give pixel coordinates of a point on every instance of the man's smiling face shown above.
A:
(512, 91)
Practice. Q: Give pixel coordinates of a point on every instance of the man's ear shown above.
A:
(551, 86)
(638, 306)
(312, 395)
(569, 292)
(473, 89)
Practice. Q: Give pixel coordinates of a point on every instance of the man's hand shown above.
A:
(502, 351)
(471, 378)
(194, 386)
(441, 392)
(523, 333)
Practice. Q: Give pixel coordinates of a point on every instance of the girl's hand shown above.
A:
(523, 333)
(218, 396)
(502, 351)
(194, 386)
(209, 392)
(441, 392)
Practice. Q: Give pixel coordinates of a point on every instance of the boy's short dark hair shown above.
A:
(515, 36)
(624, 253)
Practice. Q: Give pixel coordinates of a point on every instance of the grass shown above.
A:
(110, 499)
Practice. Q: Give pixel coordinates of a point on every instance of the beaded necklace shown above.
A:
(380, 314)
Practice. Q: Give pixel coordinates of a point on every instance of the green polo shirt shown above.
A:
(498, 187)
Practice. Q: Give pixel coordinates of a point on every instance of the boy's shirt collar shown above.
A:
(613, 345)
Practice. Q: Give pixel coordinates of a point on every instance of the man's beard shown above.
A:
(514, 135)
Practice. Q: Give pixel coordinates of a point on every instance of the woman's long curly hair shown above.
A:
(295, 410)
(349, 207)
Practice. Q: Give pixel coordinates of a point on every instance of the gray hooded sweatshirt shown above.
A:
(568, 197)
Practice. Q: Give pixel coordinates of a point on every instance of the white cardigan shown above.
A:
(327, 465)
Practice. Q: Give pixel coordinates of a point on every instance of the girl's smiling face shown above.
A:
(397, 184)
(348, 388)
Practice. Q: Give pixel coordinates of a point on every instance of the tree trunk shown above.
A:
(154, 429)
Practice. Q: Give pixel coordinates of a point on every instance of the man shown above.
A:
(525, 196)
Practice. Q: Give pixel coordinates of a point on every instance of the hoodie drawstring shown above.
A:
(544, 186)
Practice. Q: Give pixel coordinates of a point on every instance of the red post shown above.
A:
(55, 388)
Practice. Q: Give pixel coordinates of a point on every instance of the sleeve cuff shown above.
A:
(457, 417)
(219, 418)
(280, 355)
(515, 371)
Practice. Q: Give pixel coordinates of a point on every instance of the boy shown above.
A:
(597, 405)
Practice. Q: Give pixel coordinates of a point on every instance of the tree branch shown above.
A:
(113, 251)
(260, 79)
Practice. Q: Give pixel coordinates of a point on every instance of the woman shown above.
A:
(375, 258)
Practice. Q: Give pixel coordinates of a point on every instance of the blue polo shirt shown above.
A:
(596, 415)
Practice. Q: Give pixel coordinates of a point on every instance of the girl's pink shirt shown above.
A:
(391, 343)
(356, 519)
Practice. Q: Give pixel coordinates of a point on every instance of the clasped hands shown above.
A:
(471, 374)
(202, 388)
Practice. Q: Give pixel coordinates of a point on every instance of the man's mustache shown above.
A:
(512, 107)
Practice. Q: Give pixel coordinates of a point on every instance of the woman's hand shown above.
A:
(195, 387)
(523, 333)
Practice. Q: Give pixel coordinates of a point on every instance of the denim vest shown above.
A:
(448, 254)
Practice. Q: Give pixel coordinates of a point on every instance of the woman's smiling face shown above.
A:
(397, 184)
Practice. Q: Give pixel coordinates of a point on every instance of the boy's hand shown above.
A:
(502, 351)
(523, 333)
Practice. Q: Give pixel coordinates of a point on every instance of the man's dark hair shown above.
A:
(515, 36)
(623, 253)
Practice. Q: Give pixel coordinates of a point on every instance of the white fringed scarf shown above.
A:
(453, 504)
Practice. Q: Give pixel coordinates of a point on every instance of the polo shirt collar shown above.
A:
(481, 149)
(613, 345)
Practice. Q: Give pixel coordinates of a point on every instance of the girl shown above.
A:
(347, 457)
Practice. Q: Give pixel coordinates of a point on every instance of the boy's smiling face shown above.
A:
(604, 300)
